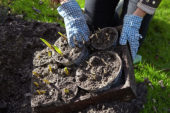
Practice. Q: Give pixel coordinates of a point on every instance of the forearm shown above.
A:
(59, 1)
(147, 6)
(63, 1)
(139, 12)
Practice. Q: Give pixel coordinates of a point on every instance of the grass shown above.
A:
(34, 10)
(156, 57)
(154, 51)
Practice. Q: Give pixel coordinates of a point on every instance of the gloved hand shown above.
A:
(130, 33)
(75, 23)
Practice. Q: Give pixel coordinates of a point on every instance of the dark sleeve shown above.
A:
(149, 6)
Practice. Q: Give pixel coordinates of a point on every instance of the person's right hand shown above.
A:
(75, 23)
(130, 33)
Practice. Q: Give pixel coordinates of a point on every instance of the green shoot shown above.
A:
(65, 38)
(48, 44)
(58, 50)
(40, 92)
(50, 68)
(66, 91)
(66, 71)
(52, 47)
(35, 74)
(49, 54)
(38, 57)
(46, 81)
(36, 84)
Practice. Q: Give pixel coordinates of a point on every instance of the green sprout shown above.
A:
(53, 47)
(38, 57)
(49, 54)
(46, 81)
(48, 44)
(66, 71)
(40, 92)
(66, 91)
(36, 84)
(58, 50)
(35, 74)
(50, 68)
(65, 38)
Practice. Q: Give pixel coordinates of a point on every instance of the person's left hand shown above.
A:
(130, 33)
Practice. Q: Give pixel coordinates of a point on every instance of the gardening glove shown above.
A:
(75, 23)
(130, 33)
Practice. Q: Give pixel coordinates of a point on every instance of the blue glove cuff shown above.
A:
(69, 8)
(133, 21)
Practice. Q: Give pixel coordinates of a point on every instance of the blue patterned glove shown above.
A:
(130, 33)
(75, 23)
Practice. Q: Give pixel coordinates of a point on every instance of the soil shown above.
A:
(22, 53)
(19, 40)
(104, 38)
(56, 81)
(71, 55)
(69, 91)
(100, 71)
(133, 106)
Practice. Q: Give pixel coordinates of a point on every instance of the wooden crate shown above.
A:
(124, 92)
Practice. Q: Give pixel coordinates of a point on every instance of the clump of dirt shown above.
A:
(71, 55)
(104, 38)
(101, 70)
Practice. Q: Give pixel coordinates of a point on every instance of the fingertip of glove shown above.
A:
(86, 38)
(71, 45)
(122, 41)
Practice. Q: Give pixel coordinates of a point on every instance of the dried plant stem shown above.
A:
(104, 61)
(96, 35)
(89, 63)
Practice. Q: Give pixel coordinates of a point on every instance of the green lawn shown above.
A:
(156, 58)
(155, 50)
